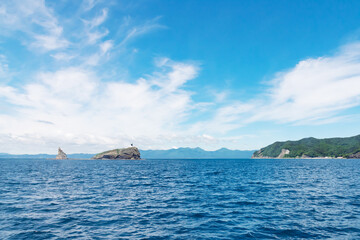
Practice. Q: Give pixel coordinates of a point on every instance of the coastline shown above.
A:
(302, 158)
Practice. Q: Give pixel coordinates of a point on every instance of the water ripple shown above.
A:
(180, 199)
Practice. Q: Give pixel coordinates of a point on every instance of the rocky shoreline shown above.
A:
(284, 152)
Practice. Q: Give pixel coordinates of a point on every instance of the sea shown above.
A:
(180, 199)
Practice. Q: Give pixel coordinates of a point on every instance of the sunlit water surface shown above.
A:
(179, 199)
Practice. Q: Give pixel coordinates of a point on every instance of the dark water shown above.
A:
(180, 199)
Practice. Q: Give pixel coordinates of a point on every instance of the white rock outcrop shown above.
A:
(61, 154)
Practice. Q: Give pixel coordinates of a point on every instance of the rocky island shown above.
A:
(61, 154)
(313, 148)
(130, 153)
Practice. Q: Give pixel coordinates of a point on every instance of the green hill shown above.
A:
(311, 147)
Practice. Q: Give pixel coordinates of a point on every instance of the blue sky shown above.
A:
(92, 75)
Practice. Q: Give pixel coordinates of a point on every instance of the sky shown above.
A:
(93, 75)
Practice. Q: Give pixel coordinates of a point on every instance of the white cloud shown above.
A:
(315, 91)
(173, 80)
(92, 31)
(37, 26)
(224, 118)
(99, 19)
(87, 5)
(156, 111)
(49, 42)
(84, 111)
(106, 46)
(4, 67)
(73, 106)
(35, 19)
(95, 36)
(139, 30)
(61, 56)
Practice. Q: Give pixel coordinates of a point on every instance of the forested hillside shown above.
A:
(312, 147)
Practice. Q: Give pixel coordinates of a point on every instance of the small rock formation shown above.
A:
(61, 154)
(283, 153)
(130, 153)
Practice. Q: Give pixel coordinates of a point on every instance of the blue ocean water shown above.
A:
(179, 199)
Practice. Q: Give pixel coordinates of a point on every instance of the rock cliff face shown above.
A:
(355, 155)
(61, 154)
(131, 153)
(283, 153)
(259, 154)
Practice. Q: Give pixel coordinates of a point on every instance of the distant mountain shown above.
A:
(80, 155)
(179, 153)
(313, 148)
(194, 153)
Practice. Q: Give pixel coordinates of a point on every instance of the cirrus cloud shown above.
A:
(36, 21)
(315, 91)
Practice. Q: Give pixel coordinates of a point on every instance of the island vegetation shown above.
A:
(313, 148)
(130, 153)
